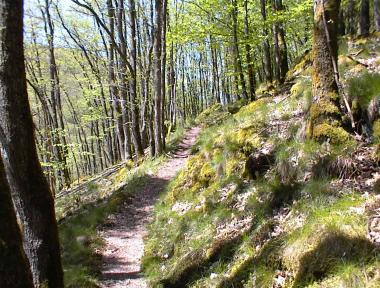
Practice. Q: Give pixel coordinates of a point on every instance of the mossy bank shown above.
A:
(263, 204)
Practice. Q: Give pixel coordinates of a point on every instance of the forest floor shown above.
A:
(124, 231)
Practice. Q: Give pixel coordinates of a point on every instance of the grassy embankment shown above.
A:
(261, 205)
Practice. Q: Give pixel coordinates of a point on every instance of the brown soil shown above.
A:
(125, 231)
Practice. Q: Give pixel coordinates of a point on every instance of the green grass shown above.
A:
(321, 240)
(364, 88)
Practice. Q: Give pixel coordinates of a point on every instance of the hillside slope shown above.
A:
(261, 205)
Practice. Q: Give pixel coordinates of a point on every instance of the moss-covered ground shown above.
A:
(260, 204)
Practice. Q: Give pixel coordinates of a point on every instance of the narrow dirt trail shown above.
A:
(125, 230)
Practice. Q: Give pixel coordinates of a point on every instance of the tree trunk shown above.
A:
(123, 83)
(266, 47)
(60, 144)
(112, 82)
(325, 111)
(163, 70)
(237, 59)
(364, 18)
(282, 66)
(14, 266)
(341, 23)
(30, 191)
(157, 80)
(248, 51)
(376, 14)
(136, 134)
(351, 17)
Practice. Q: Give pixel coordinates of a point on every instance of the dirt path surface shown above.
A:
(125, 230)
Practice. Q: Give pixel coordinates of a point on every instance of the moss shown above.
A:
(213, 115)
(323, 108)
(252, 108)
(302, 87)
(336, 135)
(301, 66)
(235, 165)
(207, 173)
(246, 139)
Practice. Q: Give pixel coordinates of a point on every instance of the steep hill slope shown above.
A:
(261, 205)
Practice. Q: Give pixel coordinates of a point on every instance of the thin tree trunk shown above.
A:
(60, 140)
(248, 52)
(280, 42)
(136, 134)
(376, 14)
(237, 58)
(351, 17)
(111, 80)
(157, 79)
(364, 18)
(163, 70)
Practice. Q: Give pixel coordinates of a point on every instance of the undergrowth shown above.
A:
(261, 205)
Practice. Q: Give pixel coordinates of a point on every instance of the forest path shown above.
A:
(125, 231)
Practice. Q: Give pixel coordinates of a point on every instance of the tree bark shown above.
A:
(325, 109)
(364, 18)
(123, 82)
(30, 191)
(376, 14)
(248, 51)
(157, 79)
(282, 66)
(237, 58)
(266, 47)
(14, 266)
(163, 70)
(136, 134)
(350, 15)
(112, 82)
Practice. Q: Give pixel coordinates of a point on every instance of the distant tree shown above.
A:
(157, 77)
(351, 17)
(248, 51)
(30, 191)
(364, 21)
(60, 144)
(376, 13)
(325, 111)
(281, 50)
(266, 46)
(14, 266)
(241, 86)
